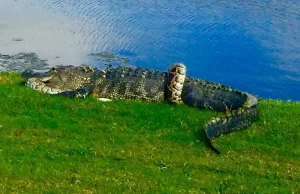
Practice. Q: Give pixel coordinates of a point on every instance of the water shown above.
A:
(253, 46)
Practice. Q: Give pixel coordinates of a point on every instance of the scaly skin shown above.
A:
(241, 109)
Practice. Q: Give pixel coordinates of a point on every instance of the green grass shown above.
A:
(53, 144)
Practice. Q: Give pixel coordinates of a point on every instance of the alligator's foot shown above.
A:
(78, 93)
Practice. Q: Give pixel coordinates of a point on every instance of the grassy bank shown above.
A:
(55, 144)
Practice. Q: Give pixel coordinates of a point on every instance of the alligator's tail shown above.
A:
(231, 121)
(240, 108)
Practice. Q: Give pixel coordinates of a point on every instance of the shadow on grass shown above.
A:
(201, 137)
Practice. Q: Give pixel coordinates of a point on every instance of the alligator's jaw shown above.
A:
(38, 84)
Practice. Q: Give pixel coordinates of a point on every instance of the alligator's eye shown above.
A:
(46, 79)
(53, 69)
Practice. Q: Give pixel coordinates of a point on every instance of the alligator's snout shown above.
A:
(39, 84)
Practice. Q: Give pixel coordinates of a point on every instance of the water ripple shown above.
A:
(252, 45)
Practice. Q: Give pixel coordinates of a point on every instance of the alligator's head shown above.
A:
(58, 79)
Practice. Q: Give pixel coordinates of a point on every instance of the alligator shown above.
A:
(240, 108)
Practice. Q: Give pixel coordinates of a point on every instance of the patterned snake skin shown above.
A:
(240, 108)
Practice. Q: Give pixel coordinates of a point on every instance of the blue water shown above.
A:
(253, 46)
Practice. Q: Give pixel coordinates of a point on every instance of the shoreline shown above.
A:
(30, 60)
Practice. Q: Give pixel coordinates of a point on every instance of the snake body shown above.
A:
(240, 108)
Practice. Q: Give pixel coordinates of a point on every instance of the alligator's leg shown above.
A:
(82, 92)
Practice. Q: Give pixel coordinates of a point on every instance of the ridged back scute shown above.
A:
(205, 94)
(131, 83)
(233, 121)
